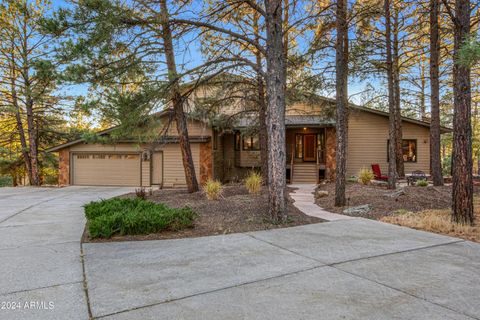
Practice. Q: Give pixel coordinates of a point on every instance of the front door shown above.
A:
(309, 144)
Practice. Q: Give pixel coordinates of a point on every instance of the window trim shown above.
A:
(416, 150)
(301, 142)
(237, 140)
(251, 143)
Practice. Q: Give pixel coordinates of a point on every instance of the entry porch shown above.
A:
(310, 154)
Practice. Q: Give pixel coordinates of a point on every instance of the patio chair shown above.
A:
(378, 173)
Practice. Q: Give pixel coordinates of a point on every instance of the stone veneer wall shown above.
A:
(64, 167)
(206, 161)
(218, 161)
(330, 156)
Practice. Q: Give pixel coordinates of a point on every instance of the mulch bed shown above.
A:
(236, 211)
(415, 199)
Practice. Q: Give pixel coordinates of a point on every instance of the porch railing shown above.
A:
(292, 156)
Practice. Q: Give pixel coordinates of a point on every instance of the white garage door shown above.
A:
(106, 169)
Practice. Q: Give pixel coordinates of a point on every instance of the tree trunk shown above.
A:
(398, 112)
(342, 102)
(18, 118)
(32, 141)
(423, 86)
(177, 101)
(263, 134)
(262, 107)
(276, 83)
(462, 195)
(392, 166)
(435, 157)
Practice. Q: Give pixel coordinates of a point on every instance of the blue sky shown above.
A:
(192, 57)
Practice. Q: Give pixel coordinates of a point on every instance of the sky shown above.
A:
(193, 57)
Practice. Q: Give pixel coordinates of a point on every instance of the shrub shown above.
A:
(253, 182)
(141, 193)
(117, 216)
(352, 179)
(447, 165)
(6, 181)
(213, 189)
(365, 176)
(421, 183)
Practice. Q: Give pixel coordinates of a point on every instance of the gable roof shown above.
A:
(290, 121)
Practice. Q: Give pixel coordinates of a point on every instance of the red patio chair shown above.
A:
(378, 173)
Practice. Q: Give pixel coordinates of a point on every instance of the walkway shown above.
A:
(305, 202)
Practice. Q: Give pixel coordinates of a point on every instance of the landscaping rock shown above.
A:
(397, 193)
(321, 194)
(358, 211)
(378, 183)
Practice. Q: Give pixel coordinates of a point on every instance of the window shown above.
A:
(409, 147)
(237, 141)
(299, 146)
(251, 143)
(321, 149)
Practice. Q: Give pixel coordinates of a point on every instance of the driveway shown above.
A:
(41, 272)
(346, 269)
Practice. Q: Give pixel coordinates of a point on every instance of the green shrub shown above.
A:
(253, 182)
(365, 176)
(6, 181)
(352, 179)
(421, 183)
(117, 216)
(447, 166)
(213, 189)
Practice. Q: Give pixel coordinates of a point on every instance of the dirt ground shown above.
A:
(236, 211)
(415, 199)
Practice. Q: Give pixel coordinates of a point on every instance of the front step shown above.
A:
(304, 173)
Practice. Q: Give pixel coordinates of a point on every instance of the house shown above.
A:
(228, 154)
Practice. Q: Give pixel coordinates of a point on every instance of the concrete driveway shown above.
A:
(351, 269)
(41, 274)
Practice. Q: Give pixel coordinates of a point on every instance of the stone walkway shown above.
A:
(305, 202)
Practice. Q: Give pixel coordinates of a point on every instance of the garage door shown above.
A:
(106, 169)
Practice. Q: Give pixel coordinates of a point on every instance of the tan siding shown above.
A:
(157, 168)
(120, 147)
(146, 174)
(250, 159)
(367, 143)
(195, 128)
(173, 173)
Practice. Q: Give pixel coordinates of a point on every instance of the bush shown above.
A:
(116, 216)
(213, 189)
(253, 182)
(352, 179)
(421, 183)
(6, 181)
(365, 176)
(447, 166)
